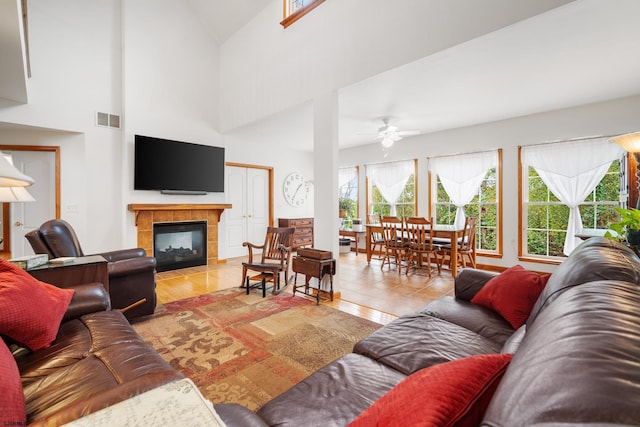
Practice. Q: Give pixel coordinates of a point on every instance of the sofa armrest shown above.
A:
(469, 281)
(87, 298)
(121, 254)
(131, 266)
(234, 415)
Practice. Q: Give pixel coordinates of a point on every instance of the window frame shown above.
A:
(369, 188)
(433, 194)
(523, 179)
(290, 18)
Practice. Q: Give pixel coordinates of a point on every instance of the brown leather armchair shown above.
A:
(132, 274)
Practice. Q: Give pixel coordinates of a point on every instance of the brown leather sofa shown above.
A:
(575, 361)
(132, 274)
(96, 360)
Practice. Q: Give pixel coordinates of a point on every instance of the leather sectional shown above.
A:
(575, 360)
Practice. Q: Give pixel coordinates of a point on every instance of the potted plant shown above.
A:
(628, 227)
(343, 206)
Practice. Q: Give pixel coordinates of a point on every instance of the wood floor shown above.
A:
(365, 290)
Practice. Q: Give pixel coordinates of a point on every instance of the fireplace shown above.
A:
(179, 244)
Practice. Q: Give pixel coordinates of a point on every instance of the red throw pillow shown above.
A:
(512, 294)
(12, 409)
(30, 310)
(455, 393)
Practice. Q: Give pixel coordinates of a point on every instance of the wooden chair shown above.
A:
(276, 257)
(395, 242)
(377, 237)
(466, 245)
(421, 250)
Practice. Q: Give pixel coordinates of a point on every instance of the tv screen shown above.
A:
(174, 166)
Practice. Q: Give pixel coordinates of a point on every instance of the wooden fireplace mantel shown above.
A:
(137, 208)
(148, 214)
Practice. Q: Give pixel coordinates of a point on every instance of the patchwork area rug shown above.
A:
(247, 349)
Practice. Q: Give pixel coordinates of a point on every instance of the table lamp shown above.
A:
(12, 177)
(631, 143)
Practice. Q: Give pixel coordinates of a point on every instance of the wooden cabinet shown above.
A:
(303, 235)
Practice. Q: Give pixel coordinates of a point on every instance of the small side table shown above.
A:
(317, 268)
(86, 269)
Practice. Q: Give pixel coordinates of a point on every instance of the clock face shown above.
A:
(295, 189)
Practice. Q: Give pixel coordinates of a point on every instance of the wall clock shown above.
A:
(296, 189)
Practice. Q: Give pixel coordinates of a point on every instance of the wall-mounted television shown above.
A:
(176, 167)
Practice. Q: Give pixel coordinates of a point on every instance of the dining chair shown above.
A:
(376, 235)
(466, 246)
(421, 249)
(395, 241)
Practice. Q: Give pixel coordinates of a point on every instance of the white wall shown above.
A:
(75, 63)
(602, 119)
(266, 69)
(170, 90)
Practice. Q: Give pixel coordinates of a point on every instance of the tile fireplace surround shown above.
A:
(146, 215)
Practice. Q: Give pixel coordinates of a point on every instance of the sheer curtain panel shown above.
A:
(391, 178)
(572, 170)
(461, 176)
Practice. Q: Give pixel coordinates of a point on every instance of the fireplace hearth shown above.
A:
(179, 244)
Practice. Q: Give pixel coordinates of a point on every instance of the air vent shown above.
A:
(107, 120)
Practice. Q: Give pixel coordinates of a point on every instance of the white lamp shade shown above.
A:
(12, 177)
(15, 194)
(630, 142)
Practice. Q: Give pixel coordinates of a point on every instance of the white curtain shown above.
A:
(461, 177)
(347, 183)
(572, 170)
(391, 178)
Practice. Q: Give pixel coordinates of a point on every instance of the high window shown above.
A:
(392, 188)
(469, 185)
(568, 187)
(296, 9)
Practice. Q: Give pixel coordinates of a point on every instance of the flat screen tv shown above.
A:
(175, 167)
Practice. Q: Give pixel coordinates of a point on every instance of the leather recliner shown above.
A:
(132, 274)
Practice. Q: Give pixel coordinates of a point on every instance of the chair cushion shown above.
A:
(512, 294)
(30, 310)
(456, 393)
(12, 409)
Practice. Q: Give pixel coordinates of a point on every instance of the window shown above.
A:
(392, 189)
(547, 217)
(296, 9)
(592, 181)
(482, 193)
(348, 193)
(484, 205)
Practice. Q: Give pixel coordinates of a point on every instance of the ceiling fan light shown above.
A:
(387, 142)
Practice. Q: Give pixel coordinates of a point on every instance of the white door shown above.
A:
(27, 216)
(247, 220)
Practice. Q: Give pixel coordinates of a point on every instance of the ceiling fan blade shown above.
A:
(409, 132)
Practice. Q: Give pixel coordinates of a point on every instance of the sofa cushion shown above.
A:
(416, 341)
(12, 410)
(512, 294)
(577, 364)
(456, 393)
(333, 396)
(30, 310)
(476, 318)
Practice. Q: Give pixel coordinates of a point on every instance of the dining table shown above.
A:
(441, 231)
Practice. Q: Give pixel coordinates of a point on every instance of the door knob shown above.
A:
(18, 224)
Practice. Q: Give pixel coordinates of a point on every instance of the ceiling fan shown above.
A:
(388, 134)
